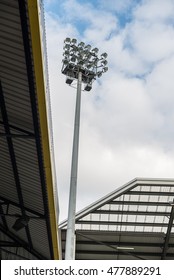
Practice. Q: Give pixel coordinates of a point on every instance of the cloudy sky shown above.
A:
(127, 120)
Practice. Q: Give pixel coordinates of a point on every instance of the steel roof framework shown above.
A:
(138, 216)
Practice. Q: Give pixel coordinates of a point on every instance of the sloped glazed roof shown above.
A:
(133, 222)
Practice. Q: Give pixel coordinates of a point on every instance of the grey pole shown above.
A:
(70, 235)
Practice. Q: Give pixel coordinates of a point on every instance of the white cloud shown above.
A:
(127, 119)
(155, 10)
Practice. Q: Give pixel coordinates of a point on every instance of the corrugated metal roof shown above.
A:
(138, 216)
(24, 189)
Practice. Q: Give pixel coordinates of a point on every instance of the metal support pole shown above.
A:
(70, 235)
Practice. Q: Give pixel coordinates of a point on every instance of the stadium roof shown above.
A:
(27, 182)
(133, 222)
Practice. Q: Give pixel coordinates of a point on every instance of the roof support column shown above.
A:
(166, 243)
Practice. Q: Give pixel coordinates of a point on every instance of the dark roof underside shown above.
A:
(23, 191)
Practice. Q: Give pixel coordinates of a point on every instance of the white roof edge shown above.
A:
(119, 191)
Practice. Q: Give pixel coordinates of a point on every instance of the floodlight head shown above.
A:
(73, 41)
(80, 62)
(65, 61)
(66, 47)
(88, 56)
(67, 40)
(99, 74)
(88, 87)
(104, 55)
(88, 47)
(104, 62)
(95, 50)
(105, 69)
(73, 58)
(81, 44)
(66, 52)
(69, 80)
(88, 66)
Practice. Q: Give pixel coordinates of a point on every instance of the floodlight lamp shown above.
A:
(85, 51)
(95, 60)
(69, 80)
(88, 87)
(80, 50)
(73, 41)
(81, 62)
(99, 74)
(73, 58)
(105, 69)
(66, 47)
(88, 47)
(95, 50)
(66, 52)
(88, 66)
(104, 55)
(81, 44)
(104, 62)
(65, 61)
(88, 55)
(67, 40)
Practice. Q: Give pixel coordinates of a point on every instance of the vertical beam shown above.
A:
(166, 243)
(3, 218)
(13, 160)
(70, 235)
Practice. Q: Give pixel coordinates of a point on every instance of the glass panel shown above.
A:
(105, 207)
(164, 199)
(112, 227)
(142, 208)
(138, 188)
(94, 227)
(155, 189)
(157, 229)
(153, 198)
(147, 228)
(114, 207)
(140, 218)
(151, 209)
(103, 227)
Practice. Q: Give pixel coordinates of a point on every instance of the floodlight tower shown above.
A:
(81, 64)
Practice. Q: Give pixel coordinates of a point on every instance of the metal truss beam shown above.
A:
(150, 193)
(137, 254)
(18, 129)
(12, 135)
(141, 213)
(9, 244)
(134, 224)
(3, 218)
(146, 203)
(8, 202)
(122, 243)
